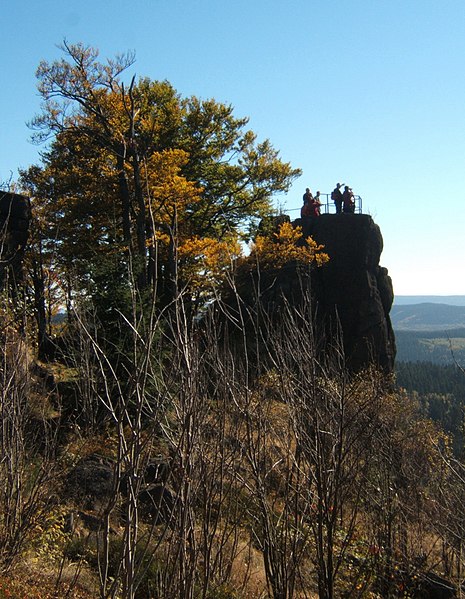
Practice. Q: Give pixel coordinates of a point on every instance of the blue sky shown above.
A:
(369, 92)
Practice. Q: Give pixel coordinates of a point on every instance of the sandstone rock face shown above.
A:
(15, 216)
(353, 288)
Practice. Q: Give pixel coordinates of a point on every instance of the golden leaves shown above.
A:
(286, 246)
(170, 194)
(204, 260)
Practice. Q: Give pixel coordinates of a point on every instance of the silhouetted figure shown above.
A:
(316, 204)
(348, 200)
(307, 208)
(308, 196)
(336, 196)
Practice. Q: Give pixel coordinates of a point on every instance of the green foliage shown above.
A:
(50, 537)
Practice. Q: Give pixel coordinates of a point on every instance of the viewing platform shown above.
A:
(328, 206)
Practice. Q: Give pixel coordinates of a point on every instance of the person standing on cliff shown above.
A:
(307, 208)
(348, 199)
(308, 197)
(336, 196)
(316, 204)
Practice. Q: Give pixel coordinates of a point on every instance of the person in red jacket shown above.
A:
(307, 208)
(348, 199)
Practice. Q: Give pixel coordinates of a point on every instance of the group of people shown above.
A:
(343, 200)
(311, 205)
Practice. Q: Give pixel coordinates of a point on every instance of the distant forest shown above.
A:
(431, 346)
(439, 390)
(426, 377)
(429, 367)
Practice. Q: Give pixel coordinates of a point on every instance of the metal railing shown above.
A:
(328, 206)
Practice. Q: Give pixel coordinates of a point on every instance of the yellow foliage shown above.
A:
(284, 246)
(203, 260)
(170, 194)
(160, 237)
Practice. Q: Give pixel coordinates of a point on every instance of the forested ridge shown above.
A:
(438, 346)
(429, 367)
(427, 377)
(427, 316)
(186, 430)
(440, 392)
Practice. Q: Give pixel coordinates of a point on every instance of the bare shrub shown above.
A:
(27, 450)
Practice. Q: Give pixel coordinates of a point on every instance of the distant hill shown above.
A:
(427, 317)
(450, 300)
(429, 332)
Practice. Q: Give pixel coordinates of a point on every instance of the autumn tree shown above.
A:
(143, 175)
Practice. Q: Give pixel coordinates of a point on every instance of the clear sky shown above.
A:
(366, 92)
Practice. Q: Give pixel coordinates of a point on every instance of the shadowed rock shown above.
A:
(351, 296)
(353, 288)
(15, 217)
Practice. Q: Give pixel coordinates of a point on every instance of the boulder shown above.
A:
(92, 481)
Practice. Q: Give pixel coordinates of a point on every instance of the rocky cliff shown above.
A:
(348, 299)
(352, 292)
(353, 288)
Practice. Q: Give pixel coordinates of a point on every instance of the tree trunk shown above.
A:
(141, 225)
(124, 195)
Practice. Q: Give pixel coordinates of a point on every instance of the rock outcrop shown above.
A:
(348, 299)
(353, 289)
(15, 216)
